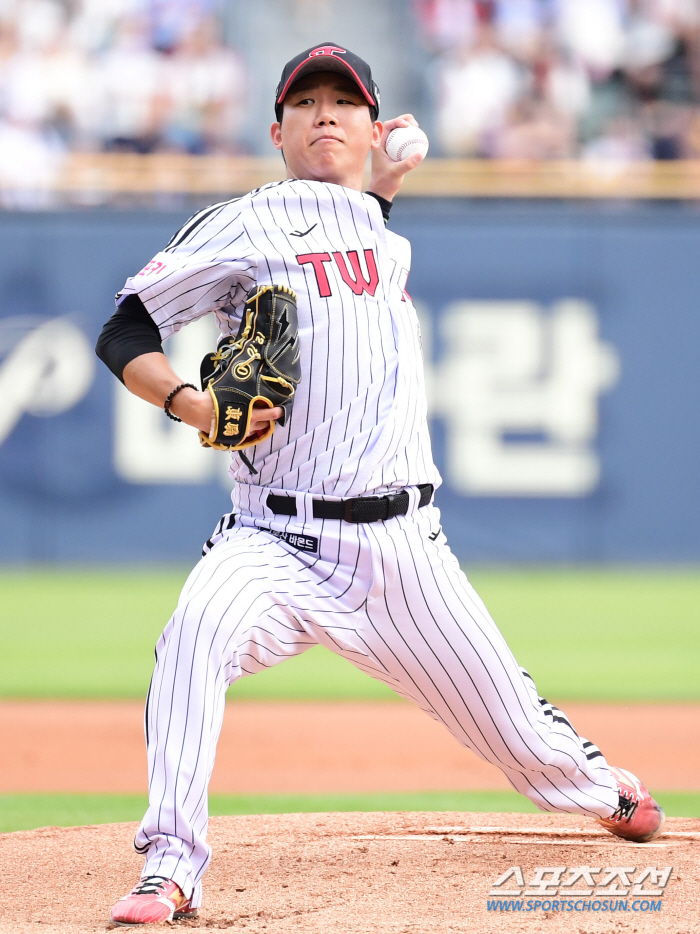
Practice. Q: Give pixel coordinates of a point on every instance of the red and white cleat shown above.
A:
(637, 817)
(153, 899)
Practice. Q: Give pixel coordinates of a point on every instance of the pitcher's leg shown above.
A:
(432, 633)
(226, 624)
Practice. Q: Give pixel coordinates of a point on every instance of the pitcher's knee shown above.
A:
(552, 761)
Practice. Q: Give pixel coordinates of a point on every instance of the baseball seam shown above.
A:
(408, 142)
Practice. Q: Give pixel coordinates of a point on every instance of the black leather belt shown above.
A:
(361, 509)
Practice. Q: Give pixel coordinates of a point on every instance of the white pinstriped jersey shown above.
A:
(358, 424)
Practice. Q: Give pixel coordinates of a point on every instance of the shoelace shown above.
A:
(151, 885)
(626, 807)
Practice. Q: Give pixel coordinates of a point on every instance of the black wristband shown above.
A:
(176, 390)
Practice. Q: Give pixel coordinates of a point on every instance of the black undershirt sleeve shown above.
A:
(128, 334)
(383, 204)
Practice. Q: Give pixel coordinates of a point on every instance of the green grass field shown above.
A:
(583, 635)
(605, 635)
(25, 812)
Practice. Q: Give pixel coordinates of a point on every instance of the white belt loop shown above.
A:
(305, 508)
(413, 499)
(267, 513)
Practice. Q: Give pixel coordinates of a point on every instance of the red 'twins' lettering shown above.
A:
(317, 260)
(358, 284)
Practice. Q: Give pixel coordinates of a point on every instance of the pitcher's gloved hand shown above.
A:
(257, 369)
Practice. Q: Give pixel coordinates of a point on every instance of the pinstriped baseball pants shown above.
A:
(388, 596)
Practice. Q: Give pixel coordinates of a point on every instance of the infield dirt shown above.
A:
(350, 873)
(310, 748)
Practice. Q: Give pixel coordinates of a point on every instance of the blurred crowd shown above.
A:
(556, 79)
(533, 79)
(113, 75)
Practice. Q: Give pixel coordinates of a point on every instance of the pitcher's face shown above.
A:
(326, 131)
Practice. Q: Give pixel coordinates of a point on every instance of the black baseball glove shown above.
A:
(259, 365)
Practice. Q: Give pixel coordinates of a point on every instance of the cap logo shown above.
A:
(352, 63)
(326, 50)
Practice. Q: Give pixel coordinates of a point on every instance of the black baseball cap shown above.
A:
(329, 57)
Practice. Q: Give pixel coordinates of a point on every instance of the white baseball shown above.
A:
(406, 141)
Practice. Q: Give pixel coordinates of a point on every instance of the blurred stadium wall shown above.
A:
(560, 343)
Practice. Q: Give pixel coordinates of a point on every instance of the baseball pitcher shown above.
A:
(316, 387)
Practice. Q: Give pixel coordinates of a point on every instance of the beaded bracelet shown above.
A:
(176, 390)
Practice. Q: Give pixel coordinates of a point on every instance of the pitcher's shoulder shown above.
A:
(399, 248)
(206, 223)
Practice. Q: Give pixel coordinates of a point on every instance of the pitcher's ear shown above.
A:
(276, 135)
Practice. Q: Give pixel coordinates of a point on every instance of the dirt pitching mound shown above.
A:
(362, 874)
